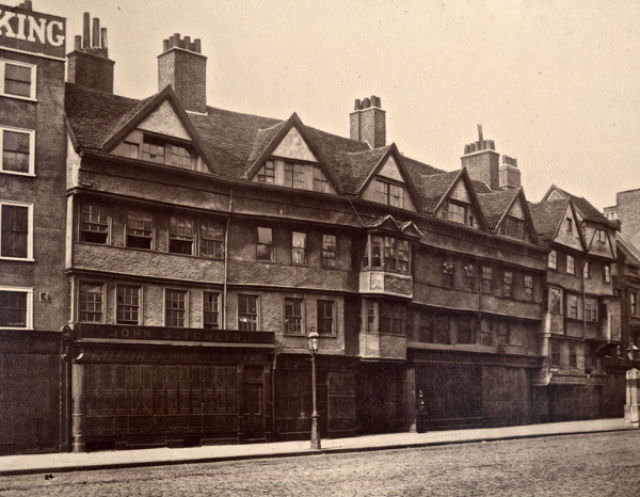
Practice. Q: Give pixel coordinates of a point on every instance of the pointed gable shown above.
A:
(390, 170)
(164, 121)
(507, 213)
(293, 146)
(568, 232)
(459, 203)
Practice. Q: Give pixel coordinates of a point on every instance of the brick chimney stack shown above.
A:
(483, 163)
(182, 66)
(89, 64)
(368, 123)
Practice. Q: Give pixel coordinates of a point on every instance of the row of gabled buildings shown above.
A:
(163, 261)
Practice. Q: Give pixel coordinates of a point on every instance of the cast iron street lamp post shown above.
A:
(313, 348)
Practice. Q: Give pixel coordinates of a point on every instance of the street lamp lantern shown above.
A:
(312, 339)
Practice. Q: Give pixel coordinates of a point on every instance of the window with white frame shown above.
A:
(175, 308)
(633, 303)
(586, 270)
(325, 317)
(17, 79)
(16, 306)
(395, 256)
(18, 156)
(389, 193)
(90, 302)
(590, 310)
(606, 273)
(94, 223)
(128, 304)
(572, 306)
(528, 286)
(602, 237)
(507, 284)
(16, 230)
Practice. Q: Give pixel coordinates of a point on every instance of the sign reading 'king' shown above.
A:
(30, 31)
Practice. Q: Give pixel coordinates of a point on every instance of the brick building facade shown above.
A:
(194, 248)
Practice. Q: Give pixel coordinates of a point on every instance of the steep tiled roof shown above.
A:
(433, 187)
(353, 168)
(586, 208)
(495, 204)
(547, 215)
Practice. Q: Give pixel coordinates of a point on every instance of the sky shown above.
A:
(556, 83)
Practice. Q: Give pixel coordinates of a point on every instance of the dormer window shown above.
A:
(389, 193)
(601, 236)
(513, 228)
(294, 174)
(569, 225)
(163, 151)
(457, 212)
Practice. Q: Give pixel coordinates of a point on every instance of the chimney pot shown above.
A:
(86, 33)
(95, 36)
(176, 40)
(366, 103)
(187, 42)
(357, 104)
(103, 38)
(77, 42)
(197, 45)
(165, 45)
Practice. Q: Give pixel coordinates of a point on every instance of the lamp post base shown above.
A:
(315, 436)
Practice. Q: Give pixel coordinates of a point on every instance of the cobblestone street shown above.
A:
(606, 464)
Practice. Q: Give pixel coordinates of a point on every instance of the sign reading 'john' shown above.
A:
(30, 31)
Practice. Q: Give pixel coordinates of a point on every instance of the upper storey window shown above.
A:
(513, 228)
(457, 212)
(294, 174)
(389, 193)
(387, 253)
(17, 79)
(163, 151)
(17, 151)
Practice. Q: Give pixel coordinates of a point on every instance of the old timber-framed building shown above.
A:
(202, 245)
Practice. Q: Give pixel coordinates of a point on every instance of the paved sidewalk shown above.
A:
(57, 462)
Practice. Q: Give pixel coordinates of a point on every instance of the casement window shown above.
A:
(329, 251)
(392, 318)
(325, 317)
(573, 356)
(298, 248)
(569, 225)
(128, 305)
(457, 212)
(211, 240)
(160, 150)
(90, 302)
(572, 307)
(448, 273)
(487, 278)
(175, 308)
(552, 260)
(389, 193)
(181, 235)
(555, 301)
(513, 227)
(571, 264)
(294, 175)
(139, 230)
(441, 328)
(388, 253)
(264, 248)
(94, 224)
(210, 310)
(17, 79)
(16, 230)
(18, 146)
(586, 270)
(466, 330)
(469, 276)
(16, 306)
(247, 312)
(555, 354)
(503, 332)
(527, 283)
(590, 310)
(320, 181)
(293, 317)
(601, 236)
(507, 284)
(606, 273)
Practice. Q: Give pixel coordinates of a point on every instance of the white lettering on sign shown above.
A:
(29, 28)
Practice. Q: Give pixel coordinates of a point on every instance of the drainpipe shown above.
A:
(274, 365)
(226, 260)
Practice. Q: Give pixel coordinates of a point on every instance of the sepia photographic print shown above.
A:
(336, 248)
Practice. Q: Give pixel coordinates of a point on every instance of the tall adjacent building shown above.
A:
(33, 289)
